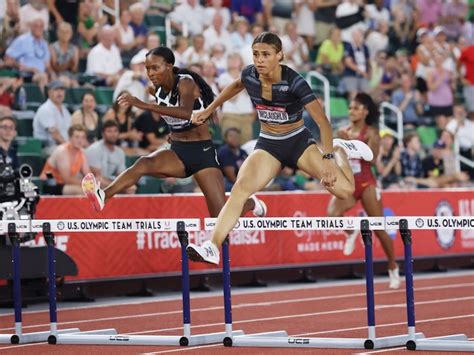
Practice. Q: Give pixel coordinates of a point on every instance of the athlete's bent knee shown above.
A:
(144, 164)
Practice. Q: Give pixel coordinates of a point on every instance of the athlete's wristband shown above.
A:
(328, 156)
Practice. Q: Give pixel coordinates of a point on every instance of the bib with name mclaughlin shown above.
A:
(272, 114)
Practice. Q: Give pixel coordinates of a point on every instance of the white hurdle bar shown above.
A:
(449, 342)
(110, 336)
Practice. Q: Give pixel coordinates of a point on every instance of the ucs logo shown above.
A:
(298, 341)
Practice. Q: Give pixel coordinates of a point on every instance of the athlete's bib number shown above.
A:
(272, 114)
(355, 166)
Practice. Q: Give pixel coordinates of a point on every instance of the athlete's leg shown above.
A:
(162, 163)
(337, 208)
(310, 162)
(373, 206)
(251, 178)
(212, 186)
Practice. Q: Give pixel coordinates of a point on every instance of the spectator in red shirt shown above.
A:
(467, 59)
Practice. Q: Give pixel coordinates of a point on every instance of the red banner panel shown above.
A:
(103, 255)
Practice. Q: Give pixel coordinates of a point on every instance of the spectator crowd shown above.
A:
(418, 55)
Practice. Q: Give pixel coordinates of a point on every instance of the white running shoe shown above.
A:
(394, 276)
(349, 246)
(355, 149)
(208, 252)
(93, 192)
(260, 209)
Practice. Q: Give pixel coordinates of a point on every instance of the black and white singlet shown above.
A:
(289, 96)
(171, 99)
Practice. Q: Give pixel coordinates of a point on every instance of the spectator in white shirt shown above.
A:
(238, 112)
(133, 80)
(216, 33)
(216, 7)
(52, 119)
(376, 13)
(196, 53)
(191, 14)
(294, 48)
(104, 59)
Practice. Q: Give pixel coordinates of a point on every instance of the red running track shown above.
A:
(444, 305)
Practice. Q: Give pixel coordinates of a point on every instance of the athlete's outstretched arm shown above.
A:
(183, 111)
(328, 166)
(229, 92)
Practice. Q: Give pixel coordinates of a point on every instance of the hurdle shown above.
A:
(280, 338)
(453, 342)
(110, 336)
(19, 337)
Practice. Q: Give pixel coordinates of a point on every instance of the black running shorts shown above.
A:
(287, 151)
(196, 155)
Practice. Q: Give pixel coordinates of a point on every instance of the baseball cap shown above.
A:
(439, 144)
(138, 58)
(56, 84)
(385, 132)
(438, 30)
(421, 31)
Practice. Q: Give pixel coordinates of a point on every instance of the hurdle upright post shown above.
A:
(453, 342)
(17, 299)
(226, 285)
(184, 240)
(369, 282)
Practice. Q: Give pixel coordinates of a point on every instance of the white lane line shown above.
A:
(241, 306)
(236, 291)
(328, 332)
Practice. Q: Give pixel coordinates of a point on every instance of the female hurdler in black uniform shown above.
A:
(178, 93)
(279, 95)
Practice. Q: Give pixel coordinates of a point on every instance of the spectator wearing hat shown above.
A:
(105, 158)
(29, 53)
(133, 80)
(444, 48)
(388, 163)
(104, 60)
(52, 119)
(424, 55)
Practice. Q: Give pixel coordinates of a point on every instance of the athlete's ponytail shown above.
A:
(206, 91)
(373, 115)
(167, 54)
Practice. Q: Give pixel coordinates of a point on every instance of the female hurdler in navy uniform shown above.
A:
(178, 93)
(279, 95)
